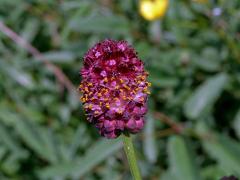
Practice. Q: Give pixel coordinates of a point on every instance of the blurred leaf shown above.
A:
(204, 96)
(38, 139)
(182, 163)
(101, 24)
(236, 123)
(10, 164)
(96, 154)
(3, 151)
(163, 82)
(59, 56)
(21, 77)
(212, 172)
(150, 149)
(75, 143)
(11, 143)
(226, 151)
(209, 59)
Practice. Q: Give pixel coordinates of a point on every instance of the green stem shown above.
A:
(132, 160)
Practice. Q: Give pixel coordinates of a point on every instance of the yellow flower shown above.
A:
(153, 9)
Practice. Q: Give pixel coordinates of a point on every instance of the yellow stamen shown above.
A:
(107, 105)
(86, 89)
(90, 106)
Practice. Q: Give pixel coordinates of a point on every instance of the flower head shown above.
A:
(153, 9)
(114, 88)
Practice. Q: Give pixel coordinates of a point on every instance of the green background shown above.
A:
(192, 130)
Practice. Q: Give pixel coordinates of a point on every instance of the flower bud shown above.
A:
(153, 9)
(114, 88)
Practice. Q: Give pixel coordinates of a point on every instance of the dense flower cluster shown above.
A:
(114, 88)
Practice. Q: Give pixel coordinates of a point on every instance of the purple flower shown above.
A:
(114, 88)
(217, 11)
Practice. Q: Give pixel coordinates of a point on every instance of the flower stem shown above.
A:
(132, 160)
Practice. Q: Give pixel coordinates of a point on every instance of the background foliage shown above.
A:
(193, 126)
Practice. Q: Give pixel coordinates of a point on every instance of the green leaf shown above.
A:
(204, 96)
(208, 60)
(163, 82)
(8, 139)
(236, 123)
(225, 150)
(212, 172)
(150, 149)
(38, 139)
(65, 57)
(182, 163)
(167, 176)
(96, 154)
(101, 24)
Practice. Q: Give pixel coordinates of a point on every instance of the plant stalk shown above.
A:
(132, 160)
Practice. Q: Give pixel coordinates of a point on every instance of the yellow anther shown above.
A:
(119, 111)
(82, 99)
(86, 89)
(99, 95)
(117, 87)
(107, 105)
(148, 92)
(96, 112)
(126, 87)
(149, 84)
(90, 84)
(105, 79)
(90, 106)
(121, 80)
(129, 98)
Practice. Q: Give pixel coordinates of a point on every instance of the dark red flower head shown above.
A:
(114, 88)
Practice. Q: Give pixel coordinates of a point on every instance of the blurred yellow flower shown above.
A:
(153, 9)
